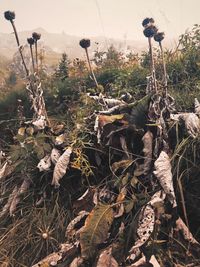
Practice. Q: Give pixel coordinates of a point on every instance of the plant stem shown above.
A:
(36, 55)
(164, 69)
(33, 64)
(20, 51)
(153, 73)
(90, 67)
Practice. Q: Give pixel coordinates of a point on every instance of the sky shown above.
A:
(109, 18)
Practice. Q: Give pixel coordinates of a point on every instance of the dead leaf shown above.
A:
(44, 164)
(21, 131)
(164, 175)
(55, 154)
(124, 164)
(71, 228)
(197, 106)
(106, 259)
(147, 150)
(40, 123)
(181, 226)
(3, 170)
(76, 262)
(191, 120)
(60, 139)
(145, 228)
(61, 167)
(95, 230)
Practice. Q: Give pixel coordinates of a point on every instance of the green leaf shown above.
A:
(96, 229)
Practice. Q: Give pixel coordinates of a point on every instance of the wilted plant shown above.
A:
(36, 36)
(10, 16)
(31, 42)
(149, 31)
(85, 43)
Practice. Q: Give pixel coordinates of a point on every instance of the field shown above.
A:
(99, 161)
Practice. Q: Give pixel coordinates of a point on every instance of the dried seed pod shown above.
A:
(159, 36)
(36, 36)
(9, 15)
(30, 41)
(84, 43)
(150, 31)
(147, 22)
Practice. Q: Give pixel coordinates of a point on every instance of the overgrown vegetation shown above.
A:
(112, 170)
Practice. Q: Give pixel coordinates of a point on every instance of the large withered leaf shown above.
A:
(164, 175)
(61, 167)
(191, 120)
(106, 259)
(147, 150)
(95, 230)
(145, 228)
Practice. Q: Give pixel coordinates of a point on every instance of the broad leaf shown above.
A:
(95, 230)
(164, 175)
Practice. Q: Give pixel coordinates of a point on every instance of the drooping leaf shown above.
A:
(147, 150)
(61, 167)
(106, 259)
(164, 175)
(145, 227)
(95, 230)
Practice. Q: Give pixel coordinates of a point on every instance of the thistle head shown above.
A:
(159, 36)
(30, 41)
(147, 22)
(84, 43)
(9, 15)
(150, 31)
(36, 36)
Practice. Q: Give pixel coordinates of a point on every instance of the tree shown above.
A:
(63, 68)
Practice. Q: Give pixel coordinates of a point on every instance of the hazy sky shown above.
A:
(109, 18)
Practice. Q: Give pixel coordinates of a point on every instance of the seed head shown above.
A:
(159, 36)
(9, 15)
(84, 43)
(147, 22)
(150, 31)
(36, 36)
(30, 41)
